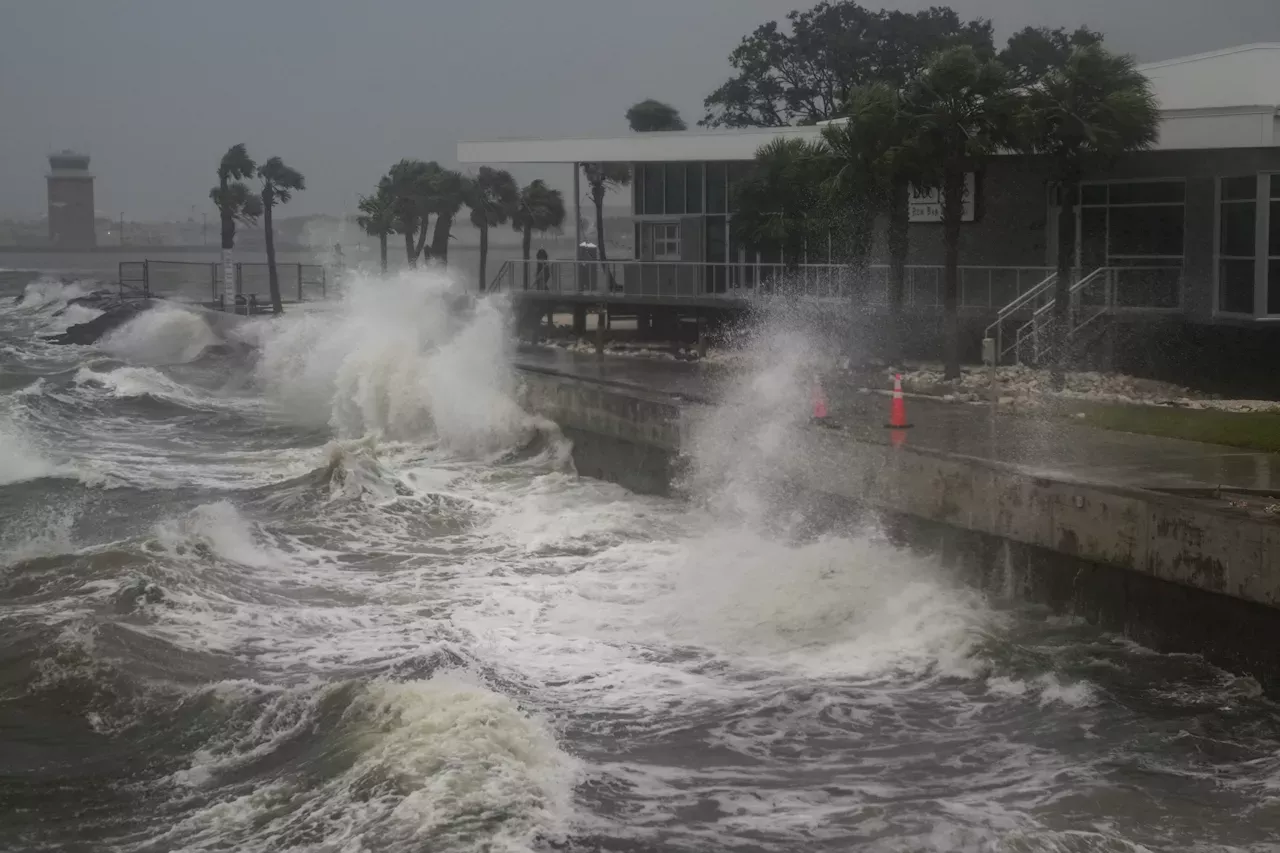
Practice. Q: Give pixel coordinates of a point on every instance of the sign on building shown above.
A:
(926, 203)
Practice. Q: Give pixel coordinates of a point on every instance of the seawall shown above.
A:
(1172, 572)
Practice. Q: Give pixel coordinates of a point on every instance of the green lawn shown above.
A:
(1254, 431)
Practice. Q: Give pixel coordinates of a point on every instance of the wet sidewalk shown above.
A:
(1052, 447)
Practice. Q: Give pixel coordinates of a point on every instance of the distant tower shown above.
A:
(70, 201)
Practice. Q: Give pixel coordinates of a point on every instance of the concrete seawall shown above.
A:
(1170, 571)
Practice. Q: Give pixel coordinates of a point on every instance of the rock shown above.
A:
(115, 313)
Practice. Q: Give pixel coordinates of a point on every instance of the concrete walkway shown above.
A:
(1057, 449)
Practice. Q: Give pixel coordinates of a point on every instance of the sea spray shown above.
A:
(406, 357)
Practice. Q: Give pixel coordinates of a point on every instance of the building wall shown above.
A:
(71, 212)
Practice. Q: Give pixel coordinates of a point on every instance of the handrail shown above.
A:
(1042, 319)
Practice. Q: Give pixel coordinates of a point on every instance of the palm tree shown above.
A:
(779, 202)
(378, 217)
(877, 161)
(961, 108)
(493, 197)
(279, 183)
(409, 186)
(449, 191)
(540, 209)
(603, 177)
(649, 116)
(235, 203)
(1082, 115)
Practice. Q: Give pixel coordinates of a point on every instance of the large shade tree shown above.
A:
(649, 116)
(279, 183)
(493, 197)
(540, 209)
(803, 73)
(236, 203)
(378, 217)
(1081, 116)
(778, 204)
(1033, 52)
(962, 110)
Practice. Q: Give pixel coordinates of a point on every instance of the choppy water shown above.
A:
(329, 589)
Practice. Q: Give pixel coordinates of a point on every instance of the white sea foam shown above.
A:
(404, 357)
(166, 334)
(444, 762)
(21, 460)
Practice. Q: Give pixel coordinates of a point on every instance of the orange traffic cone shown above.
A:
(819, 401)
(898, 408)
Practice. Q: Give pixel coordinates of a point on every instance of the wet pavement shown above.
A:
(1050, 447)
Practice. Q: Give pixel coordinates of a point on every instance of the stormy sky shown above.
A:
(155, 90)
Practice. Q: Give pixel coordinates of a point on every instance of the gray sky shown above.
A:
(155, 90)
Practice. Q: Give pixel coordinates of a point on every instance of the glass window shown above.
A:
(1145, 231)
(638, 256)
(1275, 186)
(1148, 192)
(1235, 285)
(717, 193)
(1237, 232)
(737, 171)
(666, 241)
(675, 188)
(1093, 194)
(1239, 189)
(637, 190)
(693, 188)
(1093, 237)
(1273, 286)
(1273, 227)
(653, 189)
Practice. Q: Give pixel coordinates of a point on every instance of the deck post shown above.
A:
(577, 224)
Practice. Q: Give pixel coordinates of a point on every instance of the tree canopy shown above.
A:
(649, 116)
(779, 202)
(1034, 51)
(805, 75)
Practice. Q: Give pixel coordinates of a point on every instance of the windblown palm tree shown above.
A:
(492, 200)
(447, 195)
(378, 217)
(235, 203)
(601, 178)
(876, 163)
(279, 183)
(779, 204)
(540, 209)
(409, 187)
(961, 109)
(1082, 116)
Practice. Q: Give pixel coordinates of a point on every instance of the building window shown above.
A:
(1273, 246)
(654, 186)
(1137, 228)
(717, 191)
(693, 188)
(675, 189)
(1237, 243)
(661, 241)
(637, 189)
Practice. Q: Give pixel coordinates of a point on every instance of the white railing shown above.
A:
(980, 287)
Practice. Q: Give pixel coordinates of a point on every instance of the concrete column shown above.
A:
(579, 319)
(577, 225)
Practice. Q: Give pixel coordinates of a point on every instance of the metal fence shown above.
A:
(980, 287)
(201, 282)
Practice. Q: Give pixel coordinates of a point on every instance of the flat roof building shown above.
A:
(1188, 230)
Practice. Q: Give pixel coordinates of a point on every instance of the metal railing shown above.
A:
(202, 281)
(1103, 292)
(980, 287)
